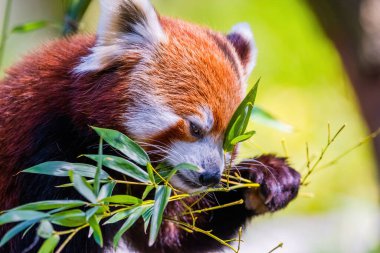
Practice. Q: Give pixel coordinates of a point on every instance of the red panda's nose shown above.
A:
(209, 178)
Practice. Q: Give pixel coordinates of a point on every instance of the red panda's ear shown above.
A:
(241, 37)
(125, 26)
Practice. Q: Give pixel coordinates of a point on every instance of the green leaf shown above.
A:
(124, 144)
(70, 218)
(164, 171)
(45, 229)
(50, 204)
(16, 230)
(161, 200)
(147, 190)
(133, 217)
(247, 117)
(106, 190)
(243, 137)
(30, 26)
(235, 128)
(123, 166)
(81, 185)
(90, 181)
(49, 245)
(181, 166)
(92, 211)
(98, 168)
(149, 168)
(147, 215)
(122, 199)
(240, 119)
(94, 224)
(121, 215)
(21, 215)
(263, 117)
(186, 166)
(61, 169)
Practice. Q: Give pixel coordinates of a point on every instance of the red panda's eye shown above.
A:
(196, 130)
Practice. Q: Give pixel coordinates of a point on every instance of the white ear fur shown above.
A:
(124, 25)
(241, 37)
(134, 16)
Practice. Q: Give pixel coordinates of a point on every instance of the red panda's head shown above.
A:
(184, 83)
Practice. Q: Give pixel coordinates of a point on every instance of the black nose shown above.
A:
(209, 178)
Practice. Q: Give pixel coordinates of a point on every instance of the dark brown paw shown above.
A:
(279, 183)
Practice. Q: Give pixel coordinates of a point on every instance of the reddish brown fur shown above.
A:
(43, 87)
(191, 66)
(39, 84)
(43, 83)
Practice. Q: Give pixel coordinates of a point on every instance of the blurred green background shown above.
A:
(304, 84)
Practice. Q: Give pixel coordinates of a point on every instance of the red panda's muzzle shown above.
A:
(205, 153)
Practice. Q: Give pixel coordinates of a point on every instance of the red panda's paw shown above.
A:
(279, 183)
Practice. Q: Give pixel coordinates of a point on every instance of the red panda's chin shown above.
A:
(185, 185)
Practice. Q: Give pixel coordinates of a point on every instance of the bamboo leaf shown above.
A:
(161, 200)
(124, 144)
(97, 232)
(92, 211)
(235, 128)
(122, 199)
(243, 137)
(263, 117)
(121, 215)
(123, 166)
(106, 190)
(49, 245)
(247, 117)
(71, 218)
(16, 230)
(21, 215)
(61, 169)
(240, 119)
(133, 217)
(147, 190)
(186, 166)
(149, 168)
(181, 166)
(147, 215)
(98, 168)
(50, 204)
(81, 185)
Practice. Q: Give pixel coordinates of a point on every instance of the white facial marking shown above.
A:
(206, 121)
(208, 117)
(149, 118)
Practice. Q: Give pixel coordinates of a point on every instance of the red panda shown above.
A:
(170, 85)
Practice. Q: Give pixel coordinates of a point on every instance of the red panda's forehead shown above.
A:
(196, 69)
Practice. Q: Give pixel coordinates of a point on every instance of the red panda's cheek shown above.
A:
(178, 132)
